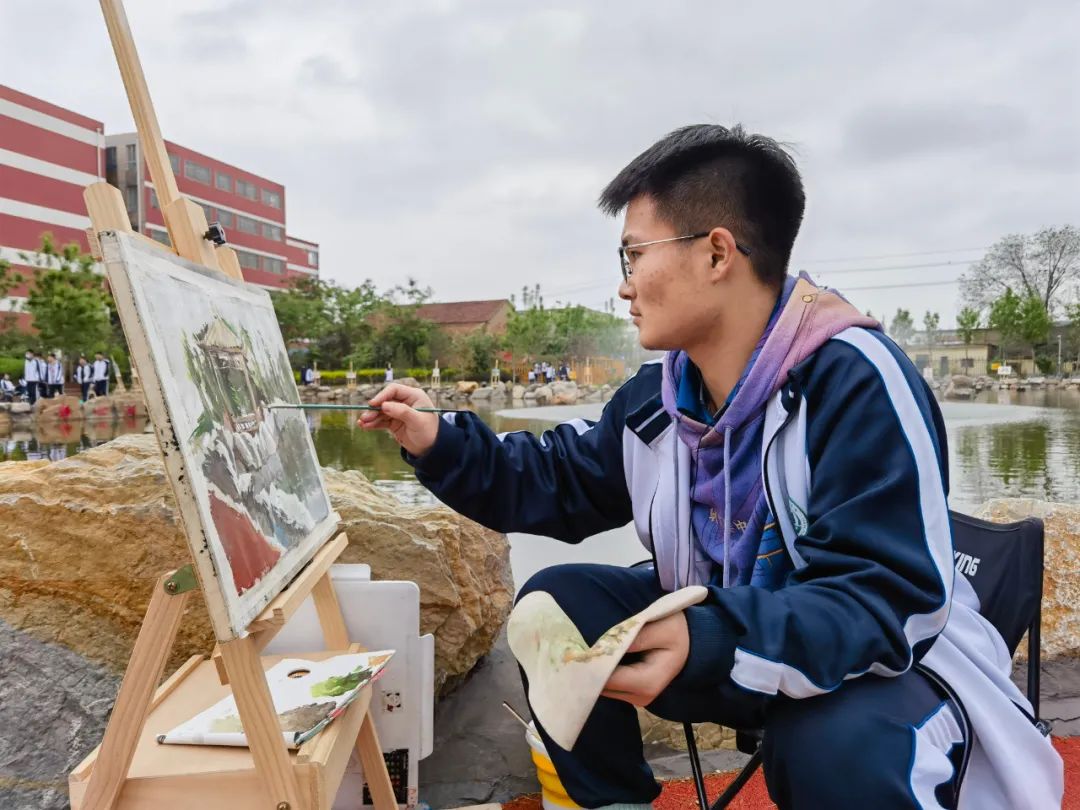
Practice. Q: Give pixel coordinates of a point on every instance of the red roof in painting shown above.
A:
(462, 311)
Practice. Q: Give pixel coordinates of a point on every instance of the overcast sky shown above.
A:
(465, 143)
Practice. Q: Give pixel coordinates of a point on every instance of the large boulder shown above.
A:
(480, 394)
(463, 569)
(97, 408)
(58, 409)
(564, 393)
(85, 537)
(1061, 586)
(960, 387)
(518, 392)
(543, 395)
(130, 406)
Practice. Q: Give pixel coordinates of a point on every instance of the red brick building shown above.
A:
(251, 208)
(49, 154)
(462, 317)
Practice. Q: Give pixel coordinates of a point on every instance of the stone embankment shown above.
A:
(466, 391)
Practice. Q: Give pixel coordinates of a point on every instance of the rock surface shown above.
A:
(55, 409)
(1061, 586)
(466, 387)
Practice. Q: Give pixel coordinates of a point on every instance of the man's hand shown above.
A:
(664, 646)
(411, 429)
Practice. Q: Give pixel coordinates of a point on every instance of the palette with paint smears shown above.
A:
(566, 675)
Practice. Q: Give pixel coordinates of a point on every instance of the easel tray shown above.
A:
(223, 778)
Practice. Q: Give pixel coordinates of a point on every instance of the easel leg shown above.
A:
(260, 723)
(367, 744)
(375, 773)
(144, 671)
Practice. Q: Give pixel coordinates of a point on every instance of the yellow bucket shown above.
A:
(553, 795)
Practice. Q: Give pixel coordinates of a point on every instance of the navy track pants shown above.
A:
(873, 742)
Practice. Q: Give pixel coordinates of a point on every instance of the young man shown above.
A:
(54, 376)
(7, 388)
(34, 374)
(786, 454)
(84, 376)
(100, 375)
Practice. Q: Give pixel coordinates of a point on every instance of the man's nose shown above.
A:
(626, 290)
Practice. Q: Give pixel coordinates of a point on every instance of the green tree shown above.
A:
(403, 337)
(1005, 317)
(931, 321)
(1072, 312)
(67, 299)
(966, 324)
(902, 327)
(302, 309)
(1035, 324)
(478, 351)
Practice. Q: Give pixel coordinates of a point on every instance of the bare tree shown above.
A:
(1039, 265)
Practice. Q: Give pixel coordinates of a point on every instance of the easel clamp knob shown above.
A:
(216, 234)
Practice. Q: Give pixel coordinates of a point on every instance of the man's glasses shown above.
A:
(628, 268)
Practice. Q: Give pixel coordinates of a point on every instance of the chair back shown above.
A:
(1004, 564)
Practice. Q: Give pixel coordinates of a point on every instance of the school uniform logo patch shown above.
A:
(798, 517)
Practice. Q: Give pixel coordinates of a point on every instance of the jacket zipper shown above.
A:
(765, 464)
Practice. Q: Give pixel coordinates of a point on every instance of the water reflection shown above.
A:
(55, 441)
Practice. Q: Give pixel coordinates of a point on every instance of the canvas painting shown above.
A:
(248, 483)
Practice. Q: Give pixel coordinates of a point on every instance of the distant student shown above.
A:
(34, 374)
(54, 377)
(389, 373)
(101, 375)
(84, 376)
(7, 388)
(532, 376)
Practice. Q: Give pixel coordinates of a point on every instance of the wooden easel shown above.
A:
(129, 770)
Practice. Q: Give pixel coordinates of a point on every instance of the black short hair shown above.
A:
(705, 176)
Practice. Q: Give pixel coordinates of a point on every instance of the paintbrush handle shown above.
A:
(328, 407)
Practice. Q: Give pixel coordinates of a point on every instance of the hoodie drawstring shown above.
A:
(727, 507)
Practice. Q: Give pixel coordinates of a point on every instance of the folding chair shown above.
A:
(1004, 564)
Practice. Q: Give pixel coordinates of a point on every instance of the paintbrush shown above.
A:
(519, 718)
(329, 407)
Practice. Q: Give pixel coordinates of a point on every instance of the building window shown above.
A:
(271, 232)
(273, 265)
(153, 199)
(223, 181)
(160, 236)
(225, 218)
(131, 197)
(131, 158)
(195, 171)
(246, 189)
(208, 211)
(313, 258)
(271, 198)
(175, 161)
(247, 224)
(247, 260)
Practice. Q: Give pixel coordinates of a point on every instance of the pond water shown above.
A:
(1004, 443)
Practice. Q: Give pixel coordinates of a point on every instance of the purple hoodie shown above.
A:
(726, 457)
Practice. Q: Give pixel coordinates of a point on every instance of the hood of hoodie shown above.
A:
(728, 503)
